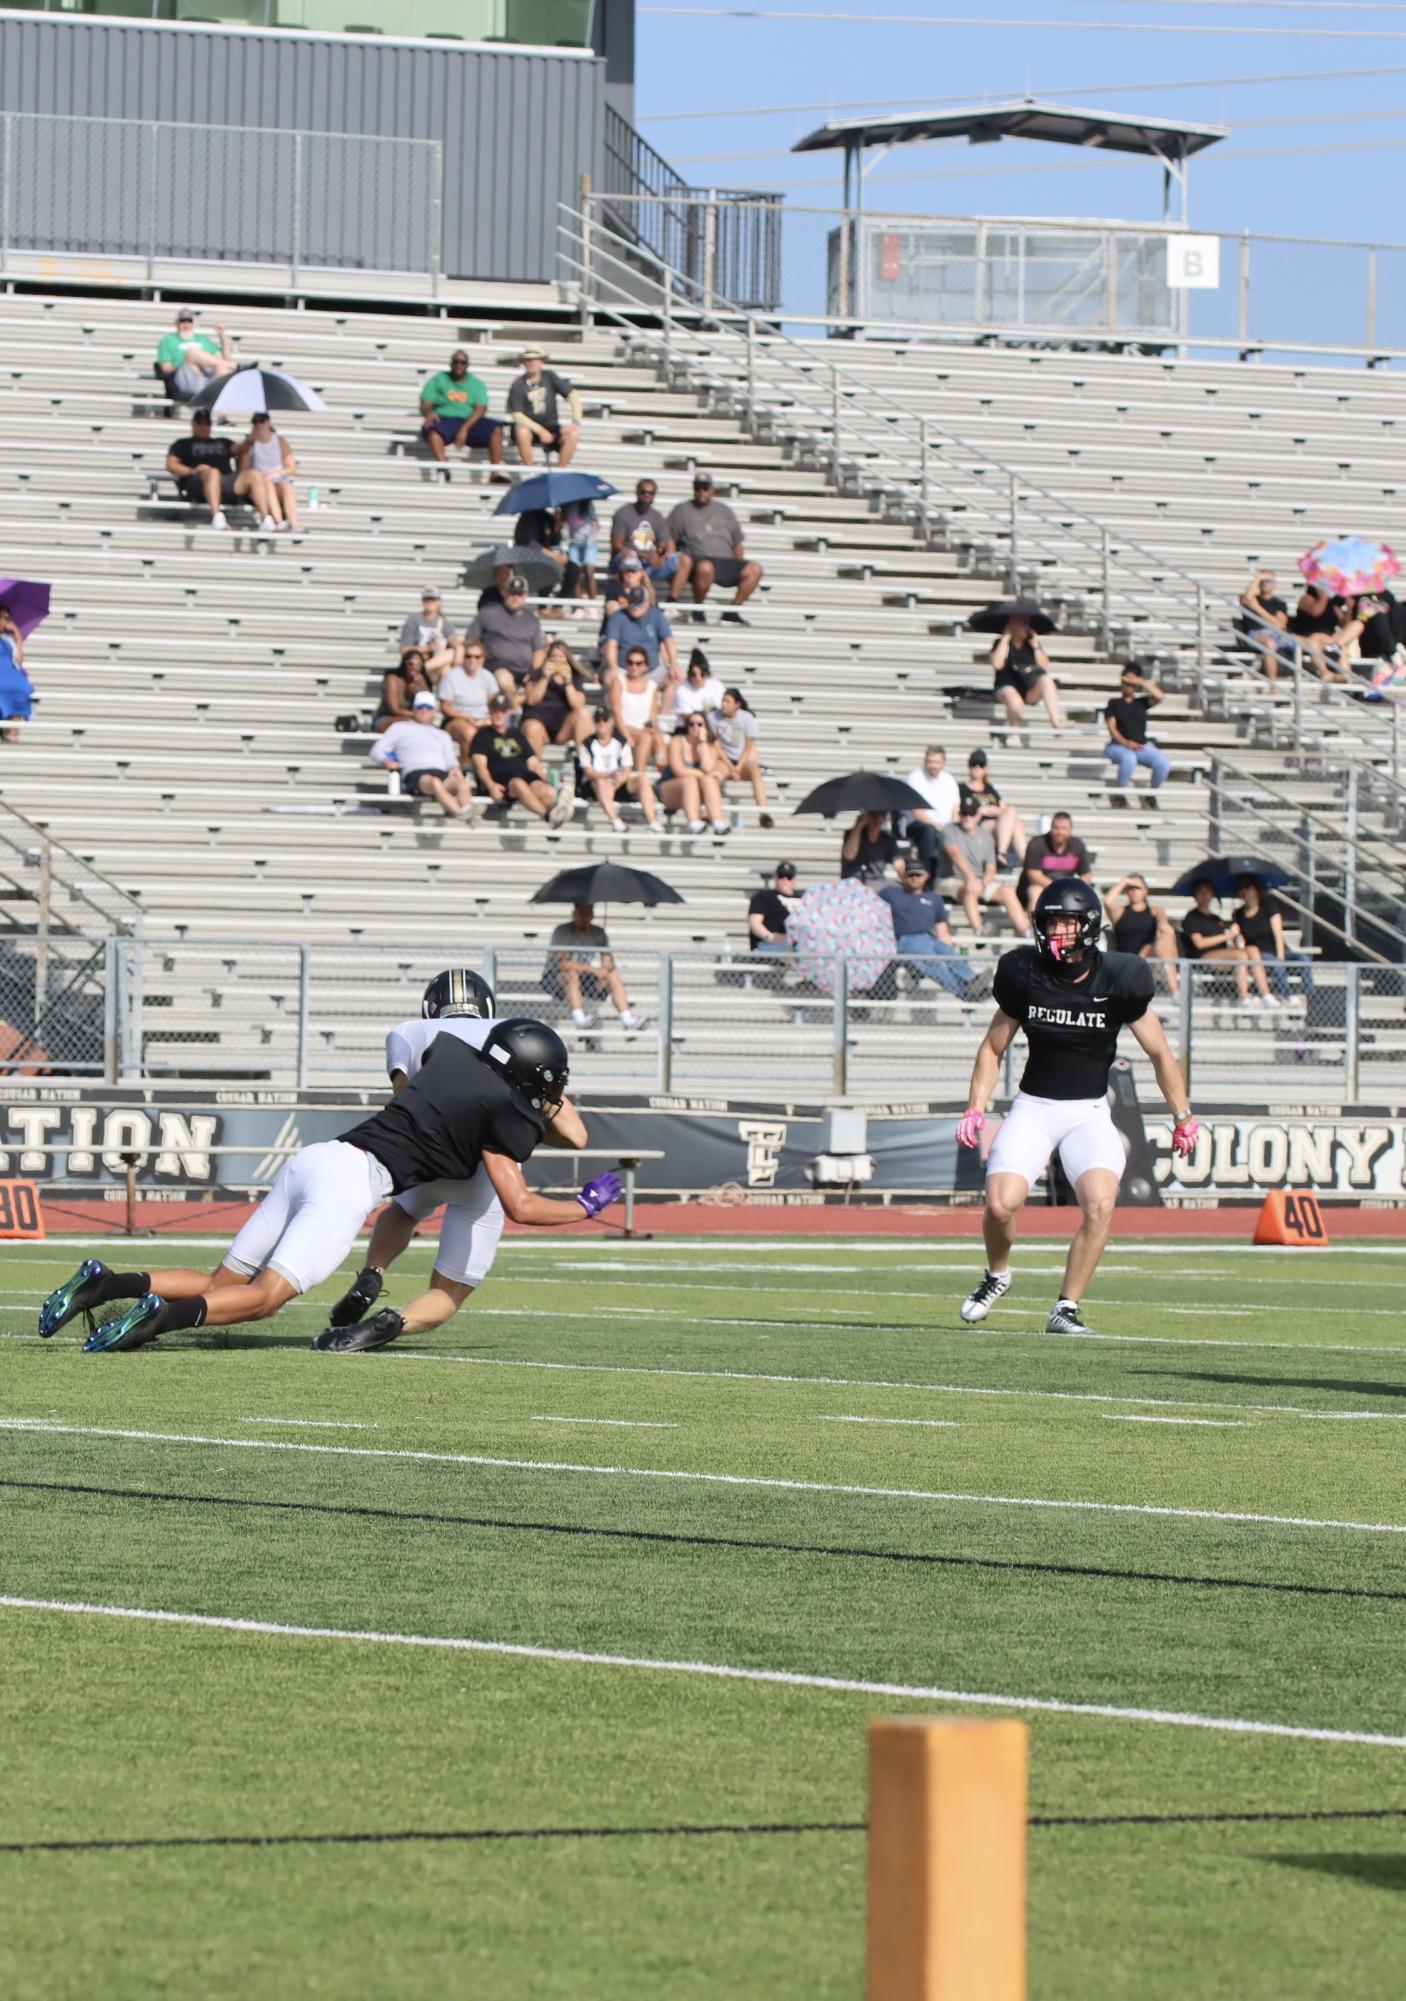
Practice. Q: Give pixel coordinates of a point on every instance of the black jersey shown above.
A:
(1071, 1025)
(454, 1109)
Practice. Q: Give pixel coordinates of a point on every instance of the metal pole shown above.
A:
(666, 1022)
(1243, 320)
(304, 967)
(710, 248)
(1310, 870)
(924, 484)
(490, 966)
(155, 182)
(1298, 694)
(41, 942)
(1185, 1011)
(840, 1019)
(1107, 612)
(297, 256)
(1371, 299)
(1015, 536)
(1110, 281)
(437, 222)
(587, 250)
(1396, 743)
(7, 172)
(1201, 629)
(751, 372)
(1213, 808)
(1352, 1003)
(111, 975)
(834, 425)
(1350, 860)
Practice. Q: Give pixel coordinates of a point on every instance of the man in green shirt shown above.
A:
(454, 405)
(186, 359)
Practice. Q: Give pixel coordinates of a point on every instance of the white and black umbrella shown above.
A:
(251, 389)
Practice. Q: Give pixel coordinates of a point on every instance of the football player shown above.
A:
(1071, 999)
(466, 1108)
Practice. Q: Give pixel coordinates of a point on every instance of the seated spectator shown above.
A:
(512, 635)
(922, 930)
(638, 529)
(622, 580)
(634, 705)
(429, 634)
(868, 849)
(1372, 630)
(1266, 626)
(270, 453)
(582, 961)
(608, 767)
(700, 691)
(1003, 821)
(534, 409)
(580, 531)
(425, 757)
(203, 468)
(970, 849)
(734, 732)
(1206, 935)
(1060, 852)
(708, 536)
(16, 689)
(553, 708)
(692, 787)
(464, 693)
(454, 406)
(1140, 927)
(186, 360)
(639, 623)
(769, 909)
(559, 659)
(1316, 623)
(1023, 674)
(539, 529)
(1129, 743)
(508, 769)
(399, 687)
(1259, 919)
(932, 778)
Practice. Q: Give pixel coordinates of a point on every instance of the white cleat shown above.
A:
(979, 1301)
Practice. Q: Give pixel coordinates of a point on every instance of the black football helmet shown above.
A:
(533, 1059)
(1070, 898)
(456, 993)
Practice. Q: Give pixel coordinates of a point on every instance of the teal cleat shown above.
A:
(79, 1294)
(142, 1322)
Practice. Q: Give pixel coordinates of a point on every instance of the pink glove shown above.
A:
(969, 1128)
(1184, 1138)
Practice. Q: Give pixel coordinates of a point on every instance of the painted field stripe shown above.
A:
(716, 1671)
(688, 1477)
(312, 1423)
(624, 1423)
(1216, 1423)
(927, 1423)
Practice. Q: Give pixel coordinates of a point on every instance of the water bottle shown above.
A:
(314, 500)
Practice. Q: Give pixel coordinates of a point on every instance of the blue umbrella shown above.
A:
(554, 489)
(1222, 872)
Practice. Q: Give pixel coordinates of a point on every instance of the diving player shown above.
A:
(1071, 999)
(466, 1108)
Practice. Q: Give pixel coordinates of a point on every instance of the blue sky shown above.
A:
(1320, 156)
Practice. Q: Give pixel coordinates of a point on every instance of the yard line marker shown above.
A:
(687, 1476)
(1218, 1423)
(311, 1423)
(714, 1670)
(626, 1423)
(931, 1423)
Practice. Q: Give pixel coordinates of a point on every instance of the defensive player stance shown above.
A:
(465, 1108)
(1071, 999)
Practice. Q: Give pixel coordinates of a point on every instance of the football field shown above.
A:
(534, 1658)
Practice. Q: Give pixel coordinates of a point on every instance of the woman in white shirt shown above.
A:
(272, 455)
(700, 692)
(734, 731)
(606, 761)
(635, 704)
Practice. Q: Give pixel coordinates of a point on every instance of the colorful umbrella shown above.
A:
(837, 917)
(28, 602)
(1351, 566)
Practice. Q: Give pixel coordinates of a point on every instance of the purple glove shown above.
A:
(600, 1193)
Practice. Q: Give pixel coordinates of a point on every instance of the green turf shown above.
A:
(565, 1789)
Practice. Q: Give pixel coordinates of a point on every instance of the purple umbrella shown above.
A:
(28, 602)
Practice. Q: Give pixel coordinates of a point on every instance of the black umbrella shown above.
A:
(1222, 872)
(863, 792)
(251, 389)
(541, 573)
(606, 882)
(996, 617)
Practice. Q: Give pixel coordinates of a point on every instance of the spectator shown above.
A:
(622, 580)
(553, 708)
(634, 704)
(16, 690)
(534, 405)
(399, 687)
(700, 691)
(1002, 820)
(1207, 936)
(465, 691)
(922, 929)
(1140, 927)
(769, 909)
(268, 452)
(508, 769)
(639, 623)
(203, 468)
(937, 785)
(580, 529)
(1129, 744)
(429, 634)
(1259, 919)
(1373, 628)
(186, 360)
(582, 958)
(1023, 674)
(734, 729)
(1058, 853)
(868, 848)
(454, 406)
(1266, 625)
(971, 853)
(608, 767)
(711, 551)
(1316, 624)
(425, 757)
(512, 635)
(640, 530)
(539, 529)
(692, 787)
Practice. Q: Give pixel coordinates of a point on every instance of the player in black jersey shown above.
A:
(464, 1107)
(1071, 999)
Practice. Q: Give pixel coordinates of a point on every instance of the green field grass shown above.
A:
(779, 1457)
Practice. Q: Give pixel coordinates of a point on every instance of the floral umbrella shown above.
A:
(1350, 566)
(839, 917)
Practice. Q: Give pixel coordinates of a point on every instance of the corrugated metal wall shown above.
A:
(519, 128)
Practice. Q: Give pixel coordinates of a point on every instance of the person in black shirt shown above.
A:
(1023, 674)
(1071, 999)
(1317, 619)
(1205, 934)
(1129, 743)
(204, 471)
(464, 1107)
(868, 849)
(534, 410)
(1260, 922)
(1142, 928)
(769, 909)
(1266, 623)
(508, 769)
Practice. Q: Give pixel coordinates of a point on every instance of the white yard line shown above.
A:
(927, 1423)
(688, 1477)
(1217, 1423)
(767, 1246)
(311, 1423)
(624, 1423)
(715, 1671)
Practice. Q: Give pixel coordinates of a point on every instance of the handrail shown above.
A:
(40, 837)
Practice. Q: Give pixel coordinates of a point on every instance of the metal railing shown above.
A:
(722, 242)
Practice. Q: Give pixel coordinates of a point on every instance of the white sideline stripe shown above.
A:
(311, 1423)
(928, 1423)
(1218, 1423)
(845, 1246)
(625, 1423)
(716, 1671)
(687, 1476)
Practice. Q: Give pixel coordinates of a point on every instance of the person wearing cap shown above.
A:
(581, 954)
(427, 631)
(711, 551)
(922, 929)
(970, 849)
(608, 765)
(512, 635)
(534, 409)
(425, 757)
(1002, 820)
(205, 473)
(621, 580)
(454, 406)
(638, 529)
(270, 453)
(508, 770)
(185, 359)
(769, 909)
(639, 622)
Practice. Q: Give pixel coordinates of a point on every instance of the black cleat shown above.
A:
(359, 1298)
(142, 1322)
(1065, 1318)
(377, 1332)
(79, 1294)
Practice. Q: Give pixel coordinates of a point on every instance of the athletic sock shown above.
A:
(185, 1312)
(1063, 1305)
(124, 1285)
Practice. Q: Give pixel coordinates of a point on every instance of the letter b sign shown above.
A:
(1193, 263)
